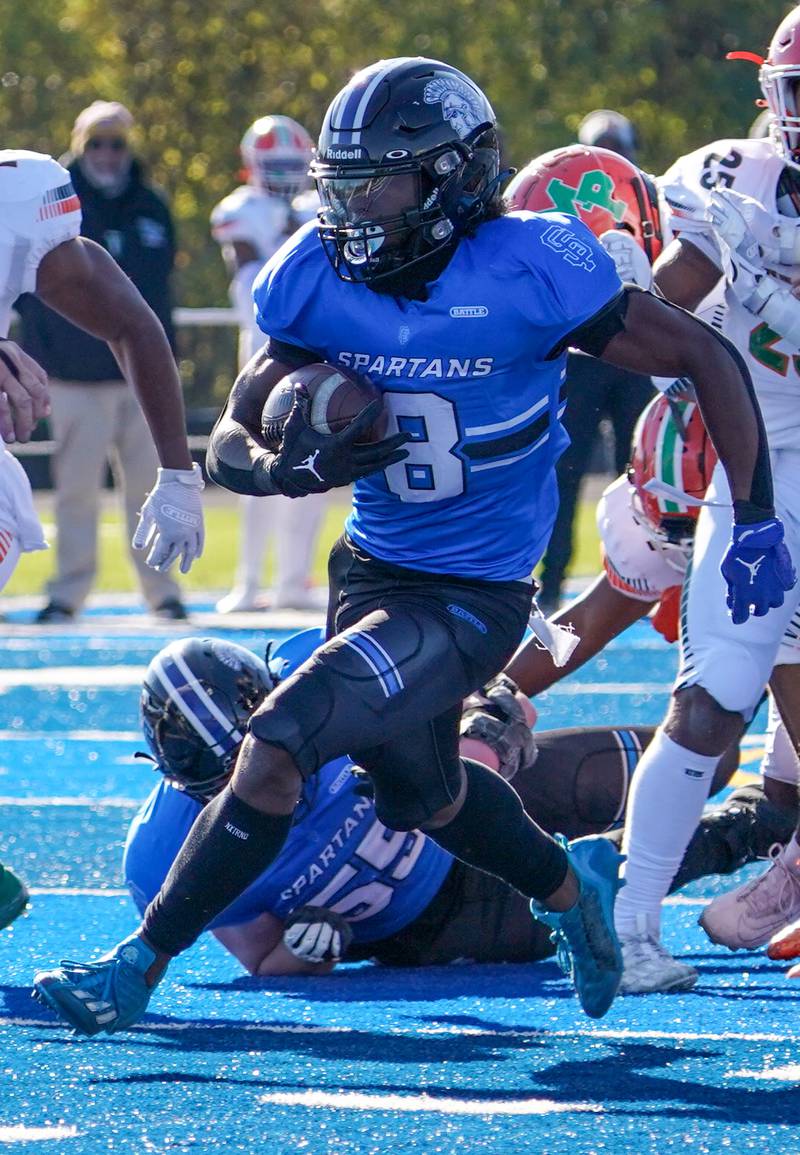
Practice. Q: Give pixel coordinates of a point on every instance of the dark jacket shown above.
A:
(136, 228)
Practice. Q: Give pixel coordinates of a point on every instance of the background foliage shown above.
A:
(196, 73)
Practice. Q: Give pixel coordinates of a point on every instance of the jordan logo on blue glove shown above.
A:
(770, 572)
(753, 566)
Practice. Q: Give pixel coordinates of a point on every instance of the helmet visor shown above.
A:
(354, 202)
(370, 214)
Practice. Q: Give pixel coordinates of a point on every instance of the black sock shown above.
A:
(228, 847)
(493, 833)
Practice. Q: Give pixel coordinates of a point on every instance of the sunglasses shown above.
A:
(115, 143)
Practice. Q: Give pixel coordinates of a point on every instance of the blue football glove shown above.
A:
(757, 568)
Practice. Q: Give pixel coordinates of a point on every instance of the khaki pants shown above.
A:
(95, 425)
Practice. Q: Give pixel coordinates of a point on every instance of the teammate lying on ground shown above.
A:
(345, 887)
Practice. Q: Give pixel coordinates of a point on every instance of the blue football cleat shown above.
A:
(587, 946)
(108, 995)
(13, 896)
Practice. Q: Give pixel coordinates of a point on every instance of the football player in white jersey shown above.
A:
(41, 252)
(250, 224)
(748, 194)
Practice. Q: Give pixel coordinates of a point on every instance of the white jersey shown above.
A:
(253, 216)
(264, 222)
(754, 168)
(38, 211)
(633, 562)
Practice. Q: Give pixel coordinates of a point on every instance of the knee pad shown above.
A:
(403, 804)
(293, 717)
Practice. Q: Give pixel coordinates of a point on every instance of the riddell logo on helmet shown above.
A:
(345, 152)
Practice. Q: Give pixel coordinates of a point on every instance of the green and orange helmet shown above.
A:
(598, 186)
(671, 446)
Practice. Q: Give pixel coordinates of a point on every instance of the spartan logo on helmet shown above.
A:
(461, 106)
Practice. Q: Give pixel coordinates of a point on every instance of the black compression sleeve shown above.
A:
(293, 355)
(593, 335)
(512, 847)
(236, 462)
(229, 846)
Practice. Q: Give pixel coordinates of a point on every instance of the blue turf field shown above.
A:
(370, 1060)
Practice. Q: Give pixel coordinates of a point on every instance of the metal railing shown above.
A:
(211, 316)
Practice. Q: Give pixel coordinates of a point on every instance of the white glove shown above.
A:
(317, 935)
(24, 398)
(171, 520)
(630, 260)
(744, 225)
(741, 255)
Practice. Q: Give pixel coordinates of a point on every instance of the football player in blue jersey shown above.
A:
(462, 315)
(343, 886)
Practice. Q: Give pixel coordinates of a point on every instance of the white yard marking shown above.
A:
(22, 1134)
(787, 1074)
(358, 1101)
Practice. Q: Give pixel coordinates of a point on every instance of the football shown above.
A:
(337, 397)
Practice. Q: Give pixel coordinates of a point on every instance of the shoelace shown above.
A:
(645, 945)
(783, 880)
(563, 955)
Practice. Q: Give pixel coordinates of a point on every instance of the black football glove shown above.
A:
(317, 935)
(311, 462)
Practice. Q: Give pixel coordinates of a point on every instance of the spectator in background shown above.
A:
(250, 224)
(594, 391)
(96, 419)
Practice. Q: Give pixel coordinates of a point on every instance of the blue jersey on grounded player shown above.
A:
(337, 855)
(466, 373)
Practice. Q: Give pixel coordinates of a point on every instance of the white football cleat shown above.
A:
(649, 968)
(747, 917)
(241, 599)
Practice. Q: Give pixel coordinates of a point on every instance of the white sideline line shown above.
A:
(359, 1101)
(70, 735)
(109, 892)
(83, 676)
(88, 676)
(625, 689)
(446, 1032)
(75, 800)
(81, 891)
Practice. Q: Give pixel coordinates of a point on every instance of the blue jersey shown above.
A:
(470, 376)
(337, 855)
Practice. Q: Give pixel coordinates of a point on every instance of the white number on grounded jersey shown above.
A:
(380, 849)
(432, 471)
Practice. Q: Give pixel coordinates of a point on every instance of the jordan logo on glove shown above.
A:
(752, 566)
(310, 465)
(770, 572)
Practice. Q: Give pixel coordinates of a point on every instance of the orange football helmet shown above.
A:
(598, 186)
(276, 153)
(670, 444)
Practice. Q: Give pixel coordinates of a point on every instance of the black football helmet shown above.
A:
(197, 697)
(408, 161)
